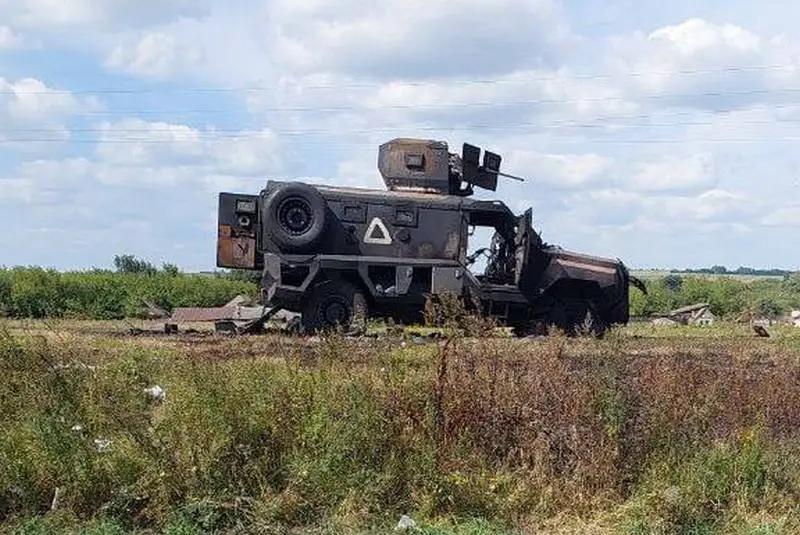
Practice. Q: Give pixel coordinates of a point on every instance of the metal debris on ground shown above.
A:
(696, 314)
(761, 331)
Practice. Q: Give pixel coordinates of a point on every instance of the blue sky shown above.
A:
(661, 133)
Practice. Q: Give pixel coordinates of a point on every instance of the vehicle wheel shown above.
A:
(532, 328)
(335, 304)
(295, 216)
(577, 316)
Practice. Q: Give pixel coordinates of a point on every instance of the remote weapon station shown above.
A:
(336, 254)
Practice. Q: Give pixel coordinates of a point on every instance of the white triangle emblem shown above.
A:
(377, 233)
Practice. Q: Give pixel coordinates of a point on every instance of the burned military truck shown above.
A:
(335, 254)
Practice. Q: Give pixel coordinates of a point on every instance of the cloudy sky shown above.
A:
(661, 133)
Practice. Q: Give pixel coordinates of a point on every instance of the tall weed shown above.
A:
(352, 433)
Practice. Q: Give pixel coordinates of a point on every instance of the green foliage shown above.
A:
(348, 436)
(728, 297)
(131, 264)
(32, 292)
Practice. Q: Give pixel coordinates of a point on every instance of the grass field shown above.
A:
(651, 430)
(655, 274)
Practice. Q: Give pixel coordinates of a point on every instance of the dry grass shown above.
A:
(673, 431)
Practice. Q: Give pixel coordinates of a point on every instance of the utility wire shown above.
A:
(415, 83)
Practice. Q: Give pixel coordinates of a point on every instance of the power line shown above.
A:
(636, 141)
(603, 122)
(175, 135)
(480, 104)
(416, 83)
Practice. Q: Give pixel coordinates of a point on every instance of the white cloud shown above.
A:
(32, 113)
(695, 36)
(561, 171)
(783, 217)
(136, 143)
(157, 55)
(423, 38)
(9, 39)
(628, 139)
(94, 14)
(706, 65)
(676, 173)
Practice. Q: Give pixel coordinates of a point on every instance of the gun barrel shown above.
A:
(498, 173)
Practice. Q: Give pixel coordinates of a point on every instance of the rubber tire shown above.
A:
(569, 315)
(348, 296)
(317, 211)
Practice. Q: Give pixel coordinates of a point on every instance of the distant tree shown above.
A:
(171, 269)
(673, 282)
(719, 270)
(245, 275)
(130, 264)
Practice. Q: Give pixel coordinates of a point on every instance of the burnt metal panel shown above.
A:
(405, 215)
(447, 280)
(237, 231)
(235, 251)
(392, 227)
(579, 267)
(522, 244)
(423, 165)
(271, 277)
(353, 212)
(404, 276)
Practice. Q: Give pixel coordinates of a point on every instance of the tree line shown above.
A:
(36, 292)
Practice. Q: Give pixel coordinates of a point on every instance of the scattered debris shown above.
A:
(56, 498)
(151, 311)
(240, 301)
(664, 322)
(103, 445)
(405, 523)
(697, 314)
(761, 331)
(239, 316)
(156, 393)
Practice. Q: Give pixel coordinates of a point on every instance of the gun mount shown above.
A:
(427, 166)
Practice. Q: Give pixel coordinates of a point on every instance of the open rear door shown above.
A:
(522, 241)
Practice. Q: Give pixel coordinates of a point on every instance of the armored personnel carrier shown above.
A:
(338, 255)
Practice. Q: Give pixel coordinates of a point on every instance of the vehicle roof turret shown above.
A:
(428, 166)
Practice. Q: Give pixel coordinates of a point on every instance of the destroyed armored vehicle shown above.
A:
(336, 254)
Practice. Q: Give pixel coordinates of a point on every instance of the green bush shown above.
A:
(32, 292)
(728, 297)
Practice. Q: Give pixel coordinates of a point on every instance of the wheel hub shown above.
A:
(334, 312)
(295, 216)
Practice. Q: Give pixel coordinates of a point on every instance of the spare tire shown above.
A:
(295, 216)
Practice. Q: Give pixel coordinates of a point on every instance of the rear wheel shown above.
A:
(576, 316)
(335, 304)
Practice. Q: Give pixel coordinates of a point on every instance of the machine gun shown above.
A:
(427, 166)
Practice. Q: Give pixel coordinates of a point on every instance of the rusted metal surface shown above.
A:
(237, 232)
(415, 165)
(191, 314)
(201, 314)
(235, 252)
